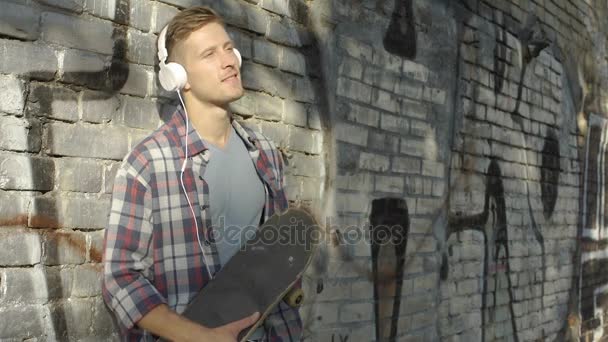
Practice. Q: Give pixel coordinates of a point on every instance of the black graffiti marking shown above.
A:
(492, 224)
(400, 36)
(393, 213)
(549, 173)
(342, 338)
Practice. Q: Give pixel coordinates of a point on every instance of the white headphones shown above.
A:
(172, 76)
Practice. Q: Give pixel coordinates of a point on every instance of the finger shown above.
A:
(245, 322)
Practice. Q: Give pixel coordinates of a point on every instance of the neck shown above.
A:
(210, 121)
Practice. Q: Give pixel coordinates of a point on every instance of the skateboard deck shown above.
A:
(259, 275)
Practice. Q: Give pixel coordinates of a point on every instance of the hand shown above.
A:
(230, 332)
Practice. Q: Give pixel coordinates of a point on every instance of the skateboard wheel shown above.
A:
(294, 298)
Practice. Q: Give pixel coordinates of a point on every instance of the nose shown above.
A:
(228, 59)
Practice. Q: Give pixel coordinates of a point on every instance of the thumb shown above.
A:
(243, 323)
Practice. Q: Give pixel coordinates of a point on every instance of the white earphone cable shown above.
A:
(181, 178)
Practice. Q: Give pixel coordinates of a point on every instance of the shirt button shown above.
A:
(200, 177)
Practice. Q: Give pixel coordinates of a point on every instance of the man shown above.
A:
(177, 183)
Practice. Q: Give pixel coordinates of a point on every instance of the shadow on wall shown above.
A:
(46, 215)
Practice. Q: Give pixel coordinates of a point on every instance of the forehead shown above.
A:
(207, 36)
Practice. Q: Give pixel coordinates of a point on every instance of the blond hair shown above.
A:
(188, 21)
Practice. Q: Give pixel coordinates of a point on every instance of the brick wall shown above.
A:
(484, 119)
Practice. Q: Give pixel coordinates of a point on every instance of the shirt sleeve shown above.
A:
(126, 287)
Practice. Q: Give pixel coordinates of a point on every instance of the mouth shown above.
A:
(230, 78)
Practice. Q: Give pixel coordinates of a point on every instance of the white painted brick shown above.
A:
(78, 175)
(359, 181)
(304, 140)
(351, 133)
(23, 172)
(351, 68)
(295, 113)
(391, 184)
(17, 134)
(384, 100)
(362, 115)
(19, 21)
(268, 107)
(141, 47)
(164, 13)
(93, 35)
(394, 123)
(354, 90)
(35, 60)
(374, 162)
(87, 141)
(350, 313)
(13, 99)
(277, 132)
(53, 102)
(305, 165)
(293, 61)
(352, 202)
(355, 48)
(416, 71)
(20, 247)
(266, 53)
(406, 165)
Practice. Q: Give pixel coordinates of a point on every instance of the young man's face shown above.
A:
(212, 67)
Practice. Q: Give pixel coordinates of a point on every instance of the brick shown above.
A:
(434, 95)
(277, 132)
(256, 19)
(164, 13)
(26, 321)
(351, 133)
(303, 140)
(293, 61)
(76, 174)
(98, 107)
(266, 53)
(91, 35)
(138, 81)
(19, 21)
(84, 68)
(360, 114)
(268, 107)
(409, 89)
(87, 280)
(394, 123)
(13, 206)
(246, 105)
(35, 60)
(95, 245)
(49, 212)
(352, 68)
(380, 78)
(20, 247)
(283, 31)
(280, 7)
(347, 157)
(304, 165)
(53, 102)
(75, 6)
(390, 184)
(261, 78)
(374, 162)
(141, 13)
(388, 61)
(295, 113)
(354, 90)
(415, 71)
(103, 322)
(421, 129)
(36, 285)
(140, 113)
(21, 172)
(76, 315)
(413, 147)
(61, 248)
(350, 313)
(13, 98)
(304, 90)
(360, 181)
(20, 135)
(406, 165)
(383, 142)
(141, 47)
(355, 48)
(87, 141)
(351, 203)
(242, 42)
(314, 117)
(384, 100)
(312, 189)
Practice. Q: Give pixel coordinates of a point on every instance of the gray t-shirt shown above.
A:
(236, 195)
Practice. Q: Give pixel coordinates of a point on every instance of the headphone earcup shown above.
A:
(238, 56)
(172, 76)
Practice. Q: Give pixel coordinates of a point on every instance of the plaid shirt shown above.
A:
(152, 254)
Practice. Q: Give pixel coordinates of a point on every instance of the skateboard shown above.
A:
(261, 274)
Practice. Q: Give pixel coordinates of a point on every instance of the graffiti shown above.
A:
(549, 173)
(341, 338)
(594, 244)
(389, 224)
(400, 36)
(492, 224)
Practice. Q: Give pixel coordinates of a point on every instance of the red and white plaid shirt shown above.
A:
(152, 255)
